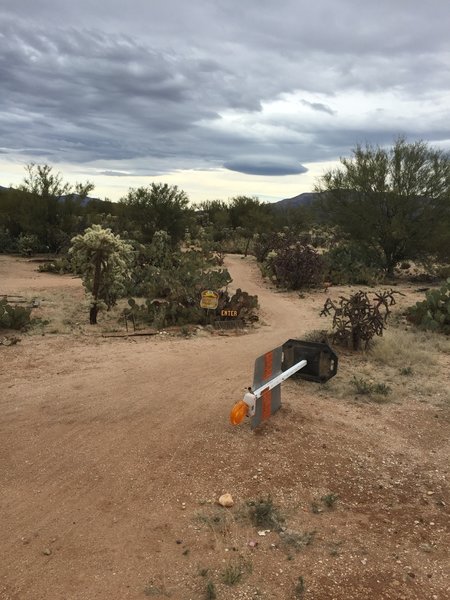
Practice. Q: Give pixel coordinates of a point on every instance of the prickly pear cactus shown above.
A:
(13, 317)
(434, 312)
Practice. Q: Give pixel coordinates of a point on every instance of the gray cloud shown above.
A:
(265, 165)
(172, 85)
(319, 106)
(114, 173)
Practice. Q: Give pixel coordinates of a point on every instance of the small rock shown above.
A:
(226, 500)
(252, 544)
(46, 551)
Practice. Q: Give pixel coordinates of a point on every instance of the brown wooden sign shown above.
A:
(229, 313)
(209, 299)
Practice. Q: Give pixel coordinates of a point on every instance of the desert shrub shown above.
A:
(433, 313)
(357, 319)
(58, 265)
(185, 310)
(349, 263)
(210, 591)
(321, 336)
(7, 242)
(13, 317)
(171, 281)
(443, 271)
(295, 266)
(366, 388)
(263, 513)
(235, 570)
(28, 244)
(330, 499)
(272, 242)
(324, 236)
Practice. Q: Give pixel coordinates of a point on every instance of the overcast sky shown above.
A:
(219, 97)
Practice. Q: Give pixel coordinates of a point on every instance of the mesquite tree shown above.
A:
(103, 260)
(392, 200)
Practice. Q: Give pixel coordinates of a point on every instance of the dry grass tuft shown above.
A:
(403, 349)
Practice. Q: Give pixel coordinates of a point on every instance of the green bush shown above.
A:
(7, 242)
(58, 265)
(433, 313)
(13, 317)
(263, 513)
(171, 282)
(28, 244)
(366, 388)
(349, 263)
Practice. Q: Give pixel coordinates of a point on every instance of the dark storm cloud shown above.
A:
(265, 165)
(155, 81)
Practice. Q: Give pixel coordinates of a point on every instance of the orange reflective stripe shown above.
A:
(268, 365)
(266, 403)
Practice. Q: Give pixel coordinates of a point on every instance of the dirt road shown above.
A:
(112, 451)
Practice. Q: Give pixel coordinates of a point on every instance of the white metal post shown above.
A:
(280, 378)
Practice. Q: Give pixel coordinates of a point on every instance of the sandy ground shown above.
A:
(114, 451)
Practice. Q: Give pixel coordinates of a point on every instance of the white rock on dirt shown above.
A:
(226, 500)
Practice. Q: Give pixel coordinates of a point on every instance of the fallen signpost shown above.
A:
(312, 361)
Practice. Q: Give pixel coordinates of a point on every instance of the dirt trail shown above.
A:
(89, 425)
(109, 448)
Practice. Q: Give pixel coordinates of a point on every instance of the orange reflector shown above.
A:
(238, 413)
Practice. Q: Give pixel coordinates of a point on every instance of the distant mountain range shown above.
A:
(304, 199)
(84, 201)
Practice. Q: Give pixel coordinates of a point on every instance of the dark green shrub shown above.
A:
(58, 265)
(349, 263)
(28, 244)
(263, 513)
(7, 242)
(329, 499)
(210, 591)
(299, 588)
(366, 388)
(13, 317)
(433, 313)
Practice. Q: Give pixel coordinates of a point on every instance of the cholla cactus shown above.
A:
(357, 319)
(103, 260)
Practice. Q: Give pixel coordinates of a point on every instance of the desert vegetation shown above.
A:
(383, 213)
